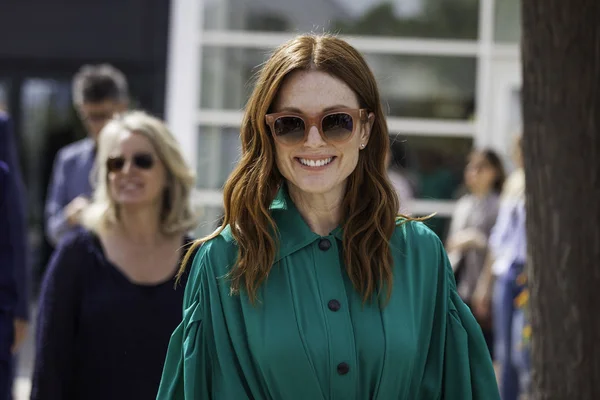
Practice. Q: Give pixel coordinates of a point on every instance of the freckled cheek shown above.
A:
(350, 153)
(350, 161)
(283, 161)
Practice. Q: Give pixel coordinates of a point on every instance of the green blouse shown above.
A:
(311, 337)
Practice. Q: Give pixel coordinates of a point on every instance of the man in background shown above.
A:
(99, 92)
(14, 296)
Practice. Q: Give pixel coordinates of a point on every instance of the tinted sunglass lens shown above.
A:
(143, 161)
(338, 126)
(114, 164)
(289, 129)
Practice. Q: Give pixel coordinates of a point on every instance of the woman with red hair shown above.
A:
(314, 288)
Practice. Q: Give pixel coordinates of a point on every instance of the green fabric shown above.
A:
(424, 344)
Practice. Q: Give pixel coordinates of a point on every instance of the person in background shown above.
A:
(14, 301)
(99, 91)
(314, 288)
(498, 286)
(55, 138)
(108, 303)
(472, 222)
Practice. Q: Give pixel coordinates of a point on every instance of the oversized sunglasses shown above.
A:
(335, 126)
(140, 160)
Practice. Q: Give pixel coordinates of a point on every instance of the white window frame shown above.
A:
(187, 40)
(364, 44)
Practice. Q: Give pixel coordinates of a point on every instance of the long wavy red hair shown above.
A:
(370, 202)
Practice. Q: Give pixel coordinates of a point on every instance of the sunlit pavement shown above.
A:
(22, 386)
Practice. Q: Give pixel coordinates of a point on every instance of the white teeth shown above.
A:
(131, 186)
(315, 163)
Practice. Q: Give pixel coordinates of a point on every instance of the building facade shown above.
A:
(42, 45)
(448, 71)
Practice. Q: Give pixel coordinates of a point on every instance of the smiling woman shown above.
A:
(313, 287)
(317, 145)
(140, 166)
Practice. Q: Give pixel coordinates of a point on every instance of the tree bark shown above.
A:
(561, 113)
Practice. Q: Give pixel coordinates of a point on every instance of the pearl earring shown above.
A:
(362, 146)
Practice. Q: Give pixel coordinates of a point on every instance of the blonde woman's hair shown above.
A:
(177, 215)
(514, 187)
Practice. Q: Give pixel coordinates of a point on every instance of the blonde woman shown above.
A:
(108, 302)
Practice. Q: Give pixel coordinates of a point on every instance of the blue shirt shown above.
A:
(508, 240)
(70, 178)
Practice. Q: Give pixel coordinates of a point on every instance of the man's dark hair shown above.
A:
(98, 83)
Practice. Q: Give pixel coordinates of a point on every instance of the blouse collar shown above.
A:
(293, 232)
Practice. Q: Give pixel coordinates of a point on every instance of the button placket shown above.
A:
(342, 349)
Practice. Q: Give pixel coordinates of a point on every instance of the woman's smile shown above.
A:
(315, 164)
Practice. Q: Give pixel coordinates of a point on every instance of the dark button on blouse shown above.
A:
(343, 368)
(324, 244)
(334, 305)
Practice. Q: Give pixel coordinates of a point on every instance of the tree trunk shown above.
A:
(561, 112)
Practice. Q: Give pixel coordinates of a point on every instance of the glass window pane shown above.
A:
(45, 105)
(507, 23)
(425, 86)
(428, 168)
(227, 76)
(4, 93)
(456, 19)
(211, 217)
(411, 86)
(433, 165)
(218, 153)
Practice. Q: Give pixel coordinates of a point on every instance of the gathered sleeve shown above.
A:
(458, 364)
(468, 370)
(208, 357)
(187, 366)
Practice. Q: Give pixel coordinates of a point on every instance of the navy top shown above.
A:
(14, 296)
(99, 335)
(8, 286)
